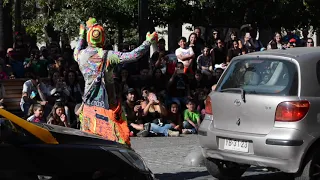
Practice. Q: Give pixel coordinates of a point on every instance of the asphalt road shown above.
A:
(165, 157)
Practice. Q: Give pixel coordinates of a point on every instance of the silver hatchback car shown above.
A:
(265, 111)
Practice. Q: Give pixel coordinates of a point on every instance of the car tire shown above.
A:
(224, 170)
(312, 166)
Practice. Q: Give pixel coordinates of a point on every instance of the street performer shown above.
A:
(101, 111)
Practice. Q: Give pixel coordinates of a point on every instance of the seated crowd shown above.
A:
(165, 97)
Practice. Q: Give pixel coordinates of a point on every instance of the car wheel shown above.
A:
(225, 170)
(311, 170)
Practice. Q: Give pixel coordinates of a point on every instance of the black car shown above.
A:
(42, 151)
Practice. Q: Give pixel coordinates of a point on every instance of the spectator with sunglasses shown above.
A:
(310, 42)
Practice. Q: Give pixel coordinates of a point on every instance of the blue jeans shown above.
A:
(187, 125)
(160, 129)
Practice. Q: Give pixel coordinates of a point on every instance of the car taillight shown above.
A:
(291, 111)
(208, 108)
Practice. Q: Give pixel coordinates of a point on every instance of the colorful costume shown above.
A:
(102, 113)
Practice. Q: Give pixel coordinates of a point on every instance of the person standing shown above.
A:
(101, 113)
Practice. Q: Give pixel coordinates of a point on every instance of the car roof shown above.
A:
(299, 53)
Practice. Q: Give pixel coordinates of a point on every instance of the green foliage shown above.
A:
(66, 15)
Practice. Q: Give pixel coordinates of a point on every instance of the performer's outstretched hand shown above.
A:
(152, 38)
(113, 59)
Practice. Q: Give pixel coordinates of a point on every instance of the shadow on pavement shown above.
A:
(277, 175)
(204, 175)
(182, 175)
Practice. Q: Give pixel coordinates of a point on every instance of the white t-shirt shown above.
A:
(32, 90)
(183, 52)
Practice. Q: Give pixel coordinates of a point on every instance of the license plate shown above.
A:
(236, 145)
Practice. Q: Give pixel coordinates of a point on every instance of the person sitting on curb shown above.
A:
(132, 110)
(155, 112)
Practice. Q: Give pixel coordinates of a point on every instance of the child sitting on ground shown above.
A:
(58, 116)
(37, 114)
(174, 117)
(191, 118)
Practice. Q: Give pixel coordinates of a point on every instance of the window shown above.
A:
(262, 76)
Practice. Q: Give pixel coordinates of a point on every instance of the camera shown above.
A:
(59, 97)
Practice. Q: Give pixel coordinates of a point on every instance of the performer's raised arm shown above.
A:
(136, 54)
(80, 43)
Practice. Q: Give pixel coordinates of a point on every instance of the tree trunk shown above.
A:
(120, 35)
(2, 40)
(64, 40)
(17, 15)
(174, 32)
(143, 19)
(53, 35)
(8, 32)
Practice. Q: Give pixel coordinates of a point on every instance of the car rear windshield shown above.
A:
(258, 76)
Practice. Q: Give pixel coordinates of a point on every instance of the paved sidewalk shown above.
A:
(165, 157)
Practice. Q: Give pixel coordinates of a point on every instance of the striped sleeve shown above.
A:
(134, 55)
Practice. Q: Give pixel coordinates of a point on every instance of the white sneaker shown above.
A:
(173, 133)
(186, 131)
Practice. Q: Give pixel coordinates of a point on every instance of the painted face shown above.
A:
(96, 36)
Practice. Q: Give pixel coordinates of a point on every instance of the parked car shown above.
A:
(35, 150)
(265, 111)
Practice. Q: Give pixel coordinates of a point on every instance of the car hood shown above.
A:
(66, 135)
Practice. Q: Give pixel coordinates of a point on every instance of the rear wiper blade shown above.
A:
(236, 89)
